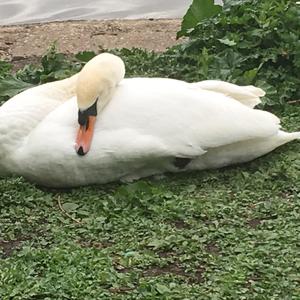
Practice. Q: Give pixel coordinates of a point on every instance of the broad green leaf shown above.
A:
(250, 75)
(198, 11)
(70, 206)
(10, 86)
(85, 56)
(227, 42)
(162, 289)
(156, 243)
(229, 3)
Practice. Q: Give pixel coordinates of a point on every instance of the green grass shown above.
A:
(224, 234)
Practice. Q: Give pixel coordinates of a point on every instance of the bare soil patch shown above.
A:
(175, 269)
(8, 247)
(28, 42)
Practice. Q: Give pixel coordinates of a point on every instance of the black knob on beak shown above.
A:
(84, 115)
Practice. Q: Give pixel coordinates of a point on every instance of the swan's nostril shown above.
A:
(80, 151)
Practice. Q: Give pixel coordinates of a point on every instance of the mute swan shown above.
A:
(145, 126)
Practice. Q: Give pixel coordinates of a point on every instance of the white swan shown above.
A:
(150, 126)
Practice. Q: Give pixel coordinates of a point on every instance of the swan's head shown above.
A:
(95, 86)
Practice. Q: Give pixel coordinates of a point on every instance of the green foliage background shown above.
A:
(232, 233)
(247, 42)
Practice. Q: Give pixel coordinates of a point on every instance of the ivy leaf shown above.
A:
(156, 243)
(198, 11)
(85, 56)
(70, 206)
(227, 42)
(250, 75)
(162, 289)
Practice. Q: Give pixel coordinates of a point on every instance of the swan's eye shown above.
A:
(84, 114)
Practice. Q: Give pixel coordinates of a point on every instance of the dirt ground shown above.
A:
(24, 43)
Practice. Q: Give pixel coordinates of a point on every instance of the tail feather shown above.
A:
(242, 151)
(255, 90)
(288, 136)
(247, 95)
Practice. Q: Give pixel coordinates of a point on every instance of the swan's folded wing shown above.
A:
(130, 145)
(183, 117)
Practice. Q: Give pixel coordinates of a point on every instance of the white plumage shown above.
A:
(147, 125)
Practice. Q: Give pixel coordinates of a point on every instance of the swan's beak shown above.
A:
(86, 120)
(84, 136)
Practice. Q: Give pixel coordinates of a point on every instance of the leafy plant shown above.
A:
(54, 66)
(249, 42)
(198, 11)
(11, 85)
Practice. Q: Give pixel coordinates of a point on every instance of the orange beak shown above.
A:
(84, 136)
